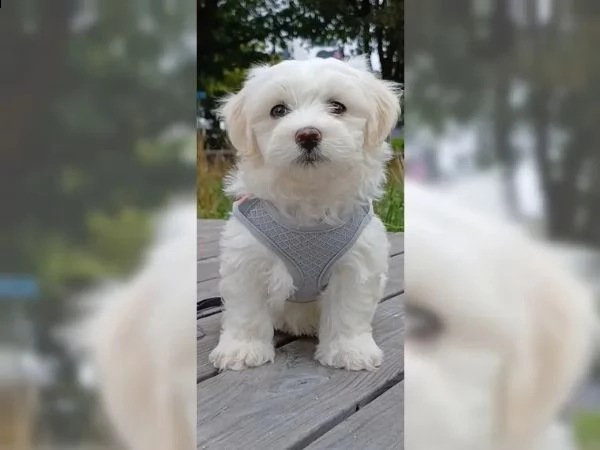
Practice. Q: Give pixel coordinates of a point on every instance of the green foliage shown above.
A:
(213, 204)
(97, 137)
(587, 430)
(230, 37)
(390, 208)
(377, 26)
(113, 246)
(440, 46)
(85, 116)
(398, 146)
(232, 34)
(462, 66)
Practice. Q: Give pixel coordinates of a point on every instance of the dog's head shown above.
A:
(299, 115)
(497, 333)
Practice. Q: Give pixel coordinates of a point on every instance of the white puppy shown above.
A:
(310, 138)
(497, 332)
(140, 340)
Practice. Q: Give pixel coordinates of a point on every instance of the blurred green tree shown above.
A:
(93, 92)
(375, 26)
(555, 61)
(231, 36)
(234, 35)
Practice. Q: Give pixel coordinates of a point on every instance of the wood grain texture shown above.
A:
(208, 288)
(208, 251)
(207, 225)
(211, 325)
(208, 236)
(286, 405)
(296, 402)
(207, 269)
(397, 243)
(395, 284)
(379, 425)
(209, 232)
(208, 334)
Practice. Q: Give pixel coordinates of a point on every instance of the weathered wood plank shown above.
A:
(289, 403)
(379, 425)
(207, 269)
(211, 325)
(397, 243)
(209, 233)
(200, 332)
(208, 288)
(208, 333)
(209, 224)
(207, 238)
(395, 284)
(208, 250)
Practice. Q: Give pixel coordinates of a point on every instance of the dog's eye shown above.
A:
(336, 107)
(279, 111)
(422, 324)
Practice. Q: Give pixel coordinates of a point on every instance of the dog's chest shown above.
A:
(308, 252)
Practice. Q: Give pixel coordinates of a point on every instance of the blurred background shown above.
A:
(502, 107)
(233, 35)
(97, 133)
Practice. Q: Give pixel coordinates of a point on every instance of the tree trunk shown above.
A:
(501, 39)
(28, 79)
(570, 214)
(365, 11)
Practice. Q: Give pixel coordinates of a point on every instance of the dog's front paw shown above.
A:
(235, 354)
(356, 353)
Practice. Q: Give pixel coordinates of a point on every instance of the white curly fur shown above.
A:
(254, 281)
(139, 336)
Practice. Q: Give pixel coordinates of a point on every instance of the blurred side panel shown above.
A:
(97, 134)
(502, 102)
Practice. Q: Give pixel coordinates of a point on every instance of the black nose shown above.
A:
(308, 138)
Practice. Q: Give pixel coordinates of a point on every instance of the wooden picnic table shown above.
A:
(295, 403)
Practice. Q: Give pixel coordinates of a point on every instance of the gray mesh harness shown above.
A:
(308, 252)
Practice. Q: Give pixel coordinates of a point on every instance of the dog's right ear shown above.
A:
(232, 110)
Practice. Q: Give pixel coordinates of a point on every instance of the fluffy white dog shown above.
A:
(139, 337)
(497, 333)
(311, 141)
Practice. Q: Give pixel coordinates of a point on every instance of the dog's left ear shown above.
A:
(550, 356)
(386, 98)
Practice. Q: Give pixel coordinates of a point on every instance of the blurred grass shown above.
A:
(390, 208)
(587, 430)
(213, 204)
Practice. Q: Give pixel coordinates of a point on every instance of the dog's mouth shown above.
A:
(310, 158)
